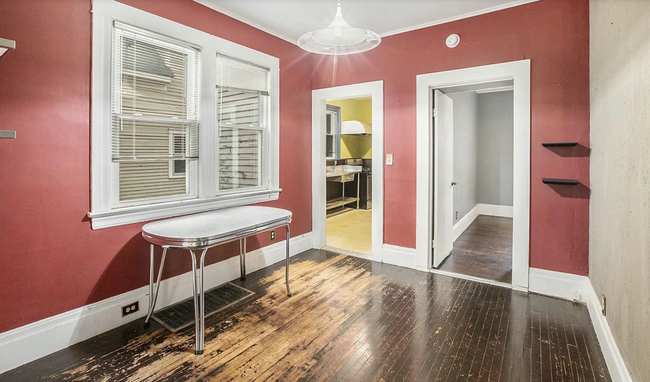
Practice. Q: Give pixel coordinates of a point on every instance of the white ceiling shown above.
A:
(290, 19)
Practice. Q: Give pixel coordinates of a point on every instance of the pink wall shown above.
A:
(51, 260)
(554, 35)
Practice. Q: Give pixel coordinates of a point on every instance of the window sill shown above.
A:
(129, 215)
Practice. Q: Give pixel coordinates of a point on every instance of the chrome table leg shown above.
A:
(242, 258)
(154, 298)
(200, 338)
(198, 328)
(287, 261)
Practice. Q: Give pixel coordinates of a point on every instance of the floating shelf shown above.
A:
(566, 182)
(560, 144)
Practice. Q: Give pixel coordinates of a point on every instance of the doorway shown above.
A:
(435, 241)
(481, 176)
(348, 177)
(373, 93)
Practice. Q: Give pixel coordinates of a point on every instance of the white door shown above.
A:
(443, 143)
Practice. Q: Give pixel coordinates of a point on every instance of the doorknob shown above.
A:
(454, 183)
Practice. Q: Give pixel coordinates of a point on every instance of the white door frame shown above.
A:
(519, 72)
(319, 97)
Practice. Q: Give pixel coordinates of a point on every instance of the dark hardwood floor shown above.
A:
(350, 320)
(484, 250)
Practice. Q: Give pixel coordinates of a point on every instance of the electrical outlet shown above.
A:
(272, 234)
(131, 308)
(603, 304)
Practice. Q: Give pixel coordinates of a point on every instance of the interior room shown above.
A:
(483, 181)
(349, 175)
(167, 169)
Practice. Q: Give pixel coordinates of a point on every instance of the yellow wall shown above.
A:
(355, 146)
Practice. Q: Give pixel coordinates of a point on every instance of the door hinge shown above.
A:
(433, 243)
(435, 113)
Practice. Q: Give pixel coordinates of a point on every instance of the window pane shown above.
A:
(144, 180)
(239, 158)
(238, 107)
(329, 146)
(155, 114)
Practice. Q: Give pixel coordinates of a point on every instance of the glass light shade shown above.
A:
(339, 38)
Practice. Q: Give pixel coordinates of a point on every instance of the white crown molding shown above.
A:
(238, 17)
(244, 20)
(38, 339)
(456, 18)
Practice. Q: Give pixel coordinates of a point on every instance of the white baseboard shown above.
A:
(465, 222)
(617, 369)
(38, 339)
(495, 210)
(574, 287)
(401, 256)
(557, 284)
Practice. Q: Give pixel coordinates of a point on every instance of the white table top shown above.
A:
(211, 228)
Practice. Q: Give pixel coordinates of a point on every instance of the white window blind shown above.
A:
(155, 97)
(242, 102)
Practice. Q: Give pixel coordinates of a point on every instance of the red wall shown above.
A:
(51, 261)
(554, 35)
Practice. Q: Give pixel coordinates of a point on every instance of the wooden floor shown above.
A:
(350, 230)
(484, 250)
(350, 320)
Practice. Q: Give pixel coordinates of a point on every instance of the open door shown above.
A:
(443, 143)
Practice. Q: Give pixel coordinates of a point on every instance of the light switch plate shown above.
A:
(389, 159)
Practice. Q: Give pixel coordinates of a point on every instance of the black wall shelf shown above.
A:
(566, 182)
(560, 144)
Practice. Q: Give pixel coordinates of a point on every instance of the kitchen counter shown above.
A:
(333, 171)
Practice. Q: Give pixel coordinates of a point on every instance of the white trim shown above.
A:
(470, 278)
(244, 20)
(400, 256)
(319, 97)
(204, 190)
(38, 339)
(348, 253)
(615, 363)
(573, 287)
(458, 17)
(465, 222)
(566, 286)
(151, 212)
(519, 72)
(270, 31)
(495, 210)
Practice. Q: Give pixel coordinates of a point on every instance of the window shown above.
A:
(177, 142)
(333, 132)
(155, 107)
(242, 96)
(182, 121)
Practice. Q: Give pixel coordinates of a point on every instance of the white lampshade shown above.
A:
(339, 38)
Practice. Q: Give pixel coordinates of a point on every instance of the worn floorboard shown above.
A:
(350, 320)
(484, 250)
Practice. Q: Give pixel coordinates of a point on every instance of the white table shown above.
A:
(203, 231)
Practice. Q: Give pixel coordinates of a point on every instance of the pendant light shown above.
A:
(339, 38)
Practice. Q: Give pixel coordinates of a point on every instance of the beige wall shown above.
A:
(619, 234)
(355, 109)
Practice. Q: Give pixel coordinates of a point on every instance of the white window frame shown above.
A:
(204, 190)
(172, 147)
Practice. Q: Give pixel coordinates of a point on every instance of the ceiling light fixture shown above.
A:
(339, 38)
